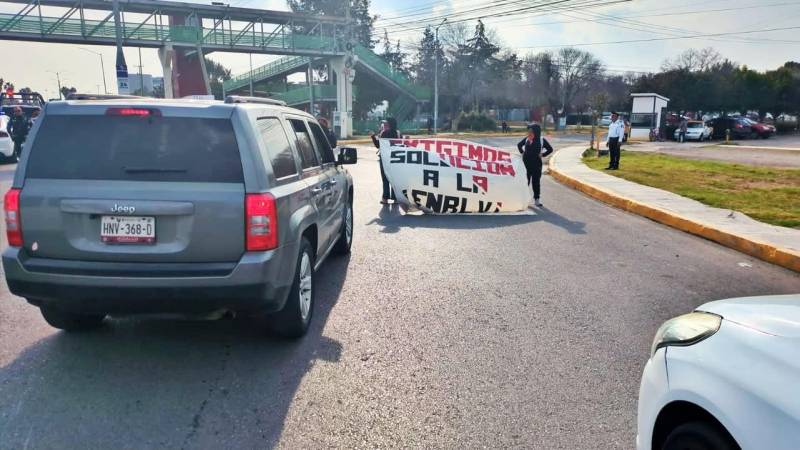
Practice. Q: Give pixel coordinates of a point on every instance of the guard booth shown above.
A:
(648, 113)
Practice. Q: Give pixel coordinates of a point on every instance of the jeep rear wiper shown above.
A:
(152, 170)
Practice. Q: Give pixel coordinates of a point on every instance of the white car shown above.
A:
(605, 121)
(695, 131)
(725, 376)
(6, 144)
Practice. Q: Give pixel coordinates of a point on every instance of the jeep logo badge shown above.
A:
(123, 209)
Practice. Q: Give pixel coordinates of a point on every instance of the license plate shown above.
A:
(128, 230)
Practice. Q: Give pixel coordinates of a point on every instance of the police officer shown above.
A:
(616, 132)
(18, 127)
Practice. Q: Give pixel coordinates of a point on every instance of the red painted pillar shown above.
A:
(188, 70)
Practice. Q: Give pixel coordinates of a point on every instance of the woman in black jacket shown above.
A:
(388, 131)
(533, 147)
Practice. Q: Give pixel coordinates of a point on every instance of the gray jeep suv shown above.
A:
(126, 206)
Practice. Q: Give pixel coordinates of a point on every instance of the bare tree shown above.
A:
(578, 70)
(693, 60)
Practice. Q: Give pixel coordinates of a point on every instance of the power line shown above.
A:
(585, 3)
(766, 30)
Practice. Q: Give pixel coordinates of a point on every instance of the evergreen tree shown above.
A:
(359, 13)
(425, 59)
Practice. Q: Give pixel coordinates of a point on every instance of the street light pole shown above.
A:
(251, 74)
(58, 80)
(436, 78)
(102, 67)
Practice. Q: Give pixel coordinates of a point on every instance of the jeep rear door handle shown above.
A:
(316, 191)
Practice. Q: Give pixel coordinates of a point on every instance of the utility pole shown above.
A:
(310, 76)
(102, 67)
(141, 77)
(58, 80)
(436, 78)
(251, 74)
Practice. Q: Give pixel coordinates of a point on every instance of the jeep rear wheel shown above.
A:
(346, 234)
(70, 321)
(293, 320)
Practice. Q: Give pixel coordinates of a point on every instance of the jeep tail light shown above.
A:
(135, 112)
(262, 222)
(11, 208)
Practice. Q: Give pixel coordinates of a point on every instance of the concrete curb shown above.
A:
(761, 250)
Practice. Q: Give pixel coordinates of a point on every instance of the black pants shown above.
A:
(388, 192)
(18, 147)
(533, 166)
(614, 151)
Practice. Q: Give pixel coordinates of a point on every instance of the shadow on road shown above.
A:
(141, 383)
(392, 219)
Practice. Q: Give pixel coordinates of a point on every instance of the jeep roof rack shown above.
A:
(260, 100)
(78, 96)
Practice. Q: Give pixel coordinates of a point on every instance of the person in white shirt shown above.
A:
(616, 132)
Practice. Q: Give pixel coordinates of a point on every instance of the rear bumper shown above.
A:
(259, 282)
(6, 147)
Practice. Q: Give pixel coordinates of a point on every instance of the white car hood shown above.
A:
(778, 315)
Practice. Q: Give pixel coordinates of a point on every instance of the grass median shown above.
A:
(766, 194)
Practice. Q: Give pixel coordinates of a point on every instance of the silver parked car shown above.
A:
(695, 131)
(125, 206)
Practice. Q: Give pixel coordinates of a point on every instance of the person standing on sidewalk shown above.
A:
(388, 131)
(533, 148)
(616, 132)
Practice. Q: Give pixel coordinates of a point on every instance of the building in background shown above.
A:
(142, 84)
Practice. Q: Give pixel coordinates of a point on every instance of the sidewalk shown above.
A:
(774, 244)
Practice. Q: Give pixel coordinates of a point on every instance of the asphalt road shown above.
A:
(437, 332)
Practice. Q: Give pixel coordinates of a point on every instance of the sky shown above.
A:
(636, 35)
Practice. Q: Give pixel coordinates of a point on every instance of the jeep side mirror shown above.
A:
(348, 155)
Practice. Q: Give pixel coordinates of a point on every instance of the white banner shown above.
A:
(446, 176)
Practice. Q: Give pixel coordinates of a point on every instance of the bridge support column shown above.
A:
(344, 96)
(165, 54)
(189, 75)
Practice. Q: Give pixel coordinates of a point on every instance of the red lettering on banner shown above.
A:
(493, 168)
(443, 147)
(459, 147)
(490, 154)
(476, 152)
(460, 164)
(479, 166)
(411, 142)
(427, 143)
(504, 156)
(507, 170)
(483, 182)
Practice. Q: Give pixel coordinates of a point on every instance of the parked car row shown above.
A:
(717, 128)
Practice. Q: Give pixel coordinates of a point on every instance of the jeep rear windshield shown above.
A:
(129, 148)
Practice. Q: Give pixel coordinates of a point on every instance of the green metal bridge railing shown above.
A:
(266, 71)
(300, 95)
(94, 29)
(370, 59)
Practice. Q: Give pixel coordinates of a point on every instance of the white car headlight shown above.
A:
(687, 329)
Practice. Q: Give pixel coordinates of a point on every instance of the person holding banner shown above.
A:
(533, 148)
(388, 131)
